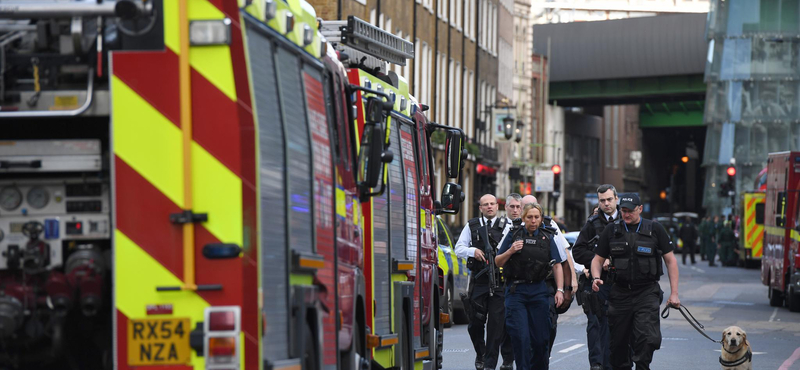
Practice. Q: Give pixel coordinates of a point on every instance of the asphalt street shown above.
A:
(718, 297)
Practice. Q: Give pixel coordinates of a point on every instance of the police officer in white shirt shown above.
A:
(483, 308)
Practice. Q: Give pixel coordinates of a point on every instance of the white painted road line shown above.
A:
(564, 342)
(698, 269)
(774, 313)
(735, 303)
(571, 348)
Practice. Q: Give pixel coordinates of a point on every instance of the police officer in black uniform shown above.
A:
(528, 257)
(485, 309)
(636, 247)
(595, 305)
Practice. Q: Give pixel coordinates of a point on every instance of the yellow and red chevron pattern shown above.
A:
(183, 139)
(753, 232)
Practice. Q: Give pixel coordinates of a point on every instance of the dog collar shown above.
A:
(747, 357)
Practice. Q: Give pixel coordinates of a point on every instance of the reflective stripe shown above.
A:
(171, 31)
(341, 203)
(147, 141)
(214, 63)
(218, 192)
(442, 257)
(131, 261)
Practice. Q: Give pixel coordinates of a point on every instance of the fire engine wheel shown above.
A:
(310, 355)
(775, 298)
(448, 304)
(355, 359)
(792, 299)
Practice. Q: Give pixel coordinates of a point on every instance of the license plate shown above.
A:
(159, 341)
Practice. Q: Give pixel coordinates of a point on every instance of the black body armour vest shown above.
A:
(532, 263)
(635, 255)
(495, 236)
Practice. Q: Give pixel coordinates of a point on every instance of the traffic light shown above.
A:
(731, 185)
(556, 180)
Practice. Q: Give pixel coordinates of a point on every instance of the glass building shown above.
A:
(753, 97)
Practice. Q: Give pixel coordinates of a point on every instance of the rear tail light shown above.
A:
(221, 347)
(222, 321)
(221, 332)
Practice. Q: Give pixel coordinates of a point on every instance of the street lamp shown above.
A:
(518, 134)
(508, 129)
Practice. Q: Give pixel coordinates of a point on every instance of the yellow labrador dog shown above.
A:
(736, 353)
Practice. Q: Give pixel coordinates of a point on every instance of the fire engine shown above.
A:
(780, 264)
(402, 283)
(187, 183)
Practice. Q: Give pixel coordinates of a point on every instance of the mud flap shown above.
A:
(304, 298)
(404, 307)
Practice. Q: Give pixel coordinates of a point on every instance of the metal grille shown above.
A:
(410, 174)
(273, 202)
(298, 151)
(397, 193)
(383, 274)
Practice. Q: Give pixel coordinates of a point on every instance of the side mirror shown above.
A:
(369, 157)
(452, 197)
(374, 111)
(454, 145)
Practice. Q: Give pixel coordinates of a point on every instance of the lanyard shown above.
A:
(637, 228)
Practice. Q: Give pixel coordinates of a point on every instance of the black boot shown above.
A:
(508, 366)
(479, 363)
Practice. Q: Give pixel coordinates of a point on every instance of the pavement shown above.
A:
(718, 297)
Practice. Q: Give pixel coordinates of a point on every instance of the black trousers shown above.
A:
(688, 248)
(489, 312)
(597, 332)
(551, 290)
(635, 325)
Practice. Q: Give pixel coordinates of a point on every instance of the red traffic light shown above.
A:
(556, 169)
(731, 171)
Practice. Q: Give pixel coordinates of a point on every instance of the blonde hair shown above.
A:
(531, 206)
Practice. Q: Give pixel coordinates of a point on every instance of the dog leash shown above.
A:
(695, 324)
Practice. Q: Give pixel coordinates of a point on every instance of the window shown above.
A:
(444, 234)
(452, 12)
(451, 73)
(429, 76)
(760, 213)
(470, 126)
(484, 23)
(472, 20)
(373, 15)
(418, 59)
(459, 13)
(467, 205)
(459, 73)
(407, 67)
(616, 136)
(607, 135)
(467, 9)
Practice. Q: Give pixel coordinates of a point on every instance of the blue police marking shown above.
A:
(644, 249)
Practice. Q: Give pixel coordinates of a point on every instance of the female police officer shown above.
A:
(527, 257)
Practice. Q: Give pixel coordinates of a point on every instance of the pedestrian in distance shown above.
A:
(485, 301)
(706, 238)
(568, 268)
(688, 233)
(527, 258)
(727, 242)
(595, 305)
(636, 247)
